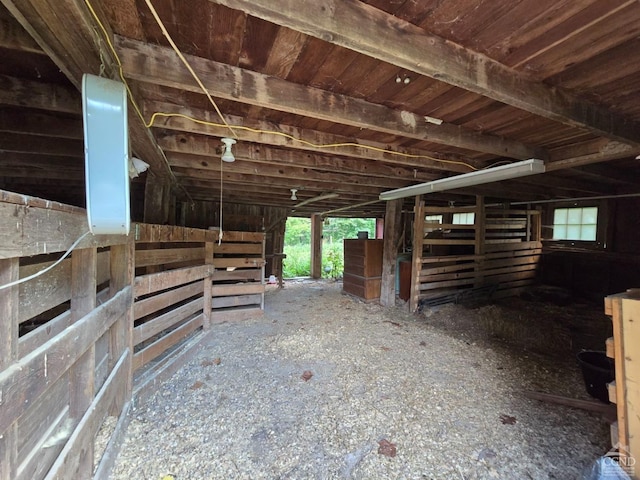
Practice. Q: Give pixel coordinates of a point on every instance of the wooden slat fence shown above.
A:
(106, 323)
(498, 254)
(238, 281)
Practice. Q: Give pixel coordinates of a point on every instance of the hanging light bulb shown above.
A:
(227, 155)
(293, 194)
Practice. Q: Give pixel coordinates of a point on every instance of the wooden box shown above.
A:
(363, 268)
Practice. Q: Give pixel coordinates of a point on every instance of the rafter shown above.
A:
(20, 92)
(313, 139)
(161, 66)
(358, 26)
(205, 153)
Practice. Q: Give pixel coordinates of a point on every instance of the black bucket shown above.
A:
(597, 371)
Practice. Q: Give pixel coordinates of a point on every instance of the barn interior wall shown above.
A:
(597, 272)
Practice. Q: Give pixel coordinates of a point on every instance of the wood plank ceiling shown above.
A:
(308, 83)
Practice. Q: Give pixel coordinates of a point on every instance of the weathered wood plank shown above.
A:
(30, 376)
(631, 378)
(151, 233)
(233, 236)
(244, 274)
(163, 300)
(20, 92)
(392, 228)
(155, 282)
(34, 427)
(168, 255)
(9, 304)
(236, 301)
(359, 26)
(246, 262)
(388, 164)
(147, 354)
(161, 66)
(165, 321)
(416, 256)
(238, 248)
(235, 315)
(26, 231)
(67, 464)
(238, 289)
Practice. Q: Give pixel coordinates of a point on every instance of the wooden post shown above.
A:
(418, 242)
(156, 200)
(206, 294)
(82, 374)
(9, 302)
(480, 241)
(122, 269)
(316, 246)
(392, 224)
(630, 393)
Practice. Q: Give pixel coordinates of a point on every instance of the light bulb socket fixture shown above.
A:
(293, 193)
(227, 155)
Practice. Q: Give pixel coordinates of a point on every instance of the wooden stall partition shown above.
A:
(624, 310)
(173, 271)
(238, 280)
(60, 375)
(497, 255)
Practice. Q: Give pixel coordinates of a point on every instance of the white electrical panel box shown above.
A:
(106, 153)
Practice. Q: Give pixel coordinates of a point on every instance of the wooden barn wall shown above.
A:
(103, 326)
(245, 218)
(597, 272)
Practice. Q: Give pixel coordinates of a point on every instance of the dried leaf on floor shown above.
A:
(306, 375)
(196, 385)
(386, 448)
(386, 349)
(507, 419)
(217, 361)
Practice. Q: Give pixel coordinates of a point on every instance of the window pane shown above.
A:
(560, 216)
(560, 232)
(573, 232)
(590, 216)
(574, 216)
(588, 232)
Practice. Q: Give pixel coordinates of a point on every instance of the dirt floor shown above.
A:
(325, 386)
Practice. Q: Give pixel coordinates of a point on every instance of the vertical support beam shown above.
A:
(418, 242)
(82, 374)
(156, 200)
(316, 246)
(122, 272)
(206, 304)
(9, 303)
(480, 241)
(262, 269)
(392, 224)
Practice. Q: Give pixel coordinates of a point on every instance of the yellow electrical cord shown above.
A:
(225, 124)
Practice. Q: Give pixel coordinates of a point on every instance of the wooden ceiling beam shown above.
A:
(299, 174)
(14, 37)
(66, 32)
(202, 152)
(313, 139)
(161, 66)
(361, 27)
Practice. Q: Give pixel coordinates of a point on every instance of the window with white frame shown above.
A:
(467, 218)
(433, 218)
(576, 223)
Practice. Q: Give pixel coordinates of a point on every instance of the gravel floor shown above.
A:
(327, 387)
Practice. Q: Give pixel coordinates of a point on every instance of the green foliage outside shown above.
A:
(297, 244)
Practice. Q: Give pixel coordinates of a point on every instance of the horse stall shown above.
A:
(494, 254)
(103, 326)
